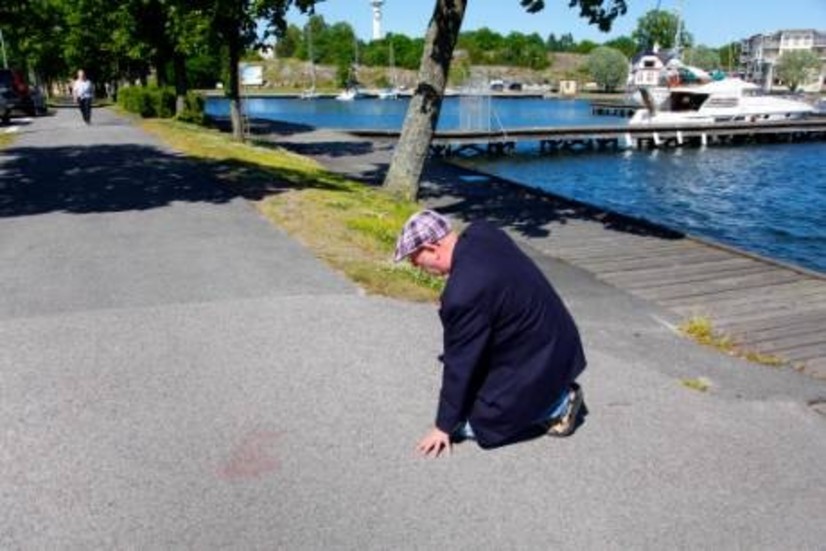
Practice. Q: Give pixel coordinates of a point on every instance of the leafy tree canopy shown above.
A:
(608, 67)
(796, 67)
(660, 27)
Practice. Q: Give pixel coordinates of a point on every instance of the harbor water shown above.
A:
(766, 199)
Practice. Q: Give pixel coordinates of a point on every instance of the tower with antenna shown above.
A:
(377, 4)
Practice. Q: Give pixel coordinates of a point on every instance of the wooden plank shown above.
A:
(620, 254)
(748, 308)
(662, 262)
(598, 239)
(785, 343)
(791, 319)
(681, 276)
(721, 284)
(806, 352)
(630, 249)
(791, 290)
(696, 269)
(721, 318)
(781, 331)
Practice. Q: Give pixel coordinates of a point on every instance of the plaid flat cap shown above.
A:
(425, 226)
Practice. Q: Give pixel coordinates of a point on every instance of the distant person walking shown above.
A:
(83, 92)
(512, 351)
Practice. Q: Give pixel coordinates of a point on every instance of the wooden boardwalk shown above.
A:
(766, 307)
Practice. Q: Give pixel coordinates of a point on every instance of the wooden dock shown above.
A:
(447, 143)
(766, 307)
(614, 108)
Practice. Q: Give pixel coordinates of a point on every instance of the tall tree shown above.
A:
(423, 110)
(796, 67)
(660, 27)
(608, 67)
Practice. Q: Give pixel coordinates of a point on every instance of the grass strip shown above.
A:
(348, 225)
(6, 139)
(701, 330)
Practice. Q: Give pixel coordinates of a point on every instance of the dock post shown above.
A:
(679, 137)
(703, 140)
(629, 142)
(656, 138)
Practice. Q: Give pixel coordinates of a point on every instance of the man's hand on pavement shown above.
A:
(434, 443)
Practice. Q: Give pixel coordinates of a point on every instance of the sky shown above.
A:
(711, 22)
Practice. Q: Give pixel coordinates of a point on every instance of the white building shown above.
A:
(759, 53)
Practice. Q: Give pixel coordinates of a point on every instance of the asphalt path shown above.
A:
(175, 372)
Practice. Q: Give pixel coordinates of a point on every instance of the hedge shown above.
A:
(148, 101)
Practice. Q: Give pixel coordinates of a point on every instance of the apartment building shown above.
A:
(759, 53)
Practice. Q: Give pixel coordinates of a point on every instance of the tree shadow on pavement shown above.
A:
(117, 178)
(469, 195)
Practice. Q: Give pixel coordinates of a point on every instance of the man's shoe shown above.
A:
(565, 425)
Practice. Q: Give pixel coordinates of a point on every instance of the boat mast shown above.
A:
(312, 56)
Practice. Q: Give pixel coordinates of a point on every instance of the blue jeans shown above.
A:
(557, 409)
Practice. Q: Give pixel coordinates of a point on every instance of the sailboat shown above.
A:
(393, 91)
(310, 93)
(352, 91)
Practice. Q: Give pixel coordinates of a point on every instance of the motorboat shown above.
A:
(727, 100)
(309, 93)
(350, 94)
(388, 93)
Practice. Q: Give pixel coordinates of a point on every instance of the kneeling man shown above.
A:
(512, 351)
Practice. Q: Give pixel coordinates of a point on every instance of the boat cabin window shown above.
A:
(681, 101)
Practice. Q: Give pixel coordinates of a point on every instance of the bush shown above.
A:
(148, 101)
(193, 108)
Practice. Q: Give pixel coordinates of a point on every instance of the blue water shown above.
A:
(768, 199)
(389, 114)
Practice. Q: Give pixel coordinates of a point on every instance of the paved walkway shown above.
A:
(177, 373)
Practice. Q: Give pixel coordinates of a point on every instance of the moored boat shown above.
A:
(727, 100)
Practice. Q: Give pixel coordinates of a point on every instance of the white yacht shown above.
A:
(727, 100)
(350, 94)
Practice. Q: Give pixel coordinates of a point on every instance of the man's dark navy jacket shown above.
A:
(510, 346)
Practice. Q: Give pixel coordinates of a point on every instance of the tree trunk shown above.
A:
(234, 88)
(180, 83)
(423, 111)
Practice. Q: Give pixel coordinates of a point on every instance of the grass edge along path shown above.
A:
(6, 139)
(701, 330)
(350, 226)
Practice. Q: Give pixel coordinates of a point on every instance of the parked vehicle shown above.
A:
(19, 96)
(5, 111)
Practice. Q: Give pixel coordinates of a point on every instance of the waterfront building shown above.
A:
(759, 53)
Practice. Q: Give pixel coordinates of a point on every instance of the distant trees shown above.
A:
(486, 47)
(702, 57)
(564, 43)
(729, 55)
(608, 67)
(625, 44)
(796, 67)
(660, 27)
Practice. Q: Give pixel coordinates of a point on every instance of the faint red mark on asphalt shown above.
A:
(251, 458)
